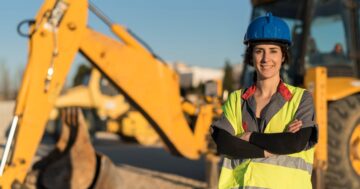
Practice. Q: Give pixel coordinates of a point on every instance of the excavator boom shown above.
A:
(149, 84)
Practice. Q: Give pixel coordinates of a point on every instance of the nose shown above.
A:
(265, 57)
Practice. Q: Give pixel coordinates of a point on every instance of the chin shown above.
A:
(267, 76)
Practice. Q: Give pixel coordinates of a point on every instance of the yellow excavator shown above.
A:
(106, 109)
(325, 51)
(58, 32)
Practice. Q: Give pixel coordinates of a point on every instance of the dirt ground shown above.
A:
(136, 177)
(153, 179)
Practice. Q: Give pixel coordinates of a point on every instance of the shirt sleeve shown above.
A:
(223, 124)
(287, 143)
(306, 110)
(233, 147)
(306, 113)
(282, 143)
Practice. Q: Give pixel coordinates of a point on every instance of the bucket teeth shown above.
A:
(72, 164)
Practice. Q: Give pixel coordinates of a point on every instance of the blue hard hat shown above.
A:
(268, 28)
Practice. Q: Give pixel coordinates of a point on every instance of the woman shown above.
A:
(267, 131)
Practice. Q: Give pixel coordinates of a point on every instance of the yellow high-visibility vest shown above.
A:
(277, 172)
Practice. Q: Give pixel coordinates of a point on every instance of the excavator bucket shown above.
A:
(74, 163)
(107, 174)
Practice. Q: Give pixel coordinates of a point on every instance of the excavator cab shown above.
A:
(325, 60)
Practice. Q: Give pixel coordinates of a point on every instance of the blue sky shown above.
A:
(200, 32)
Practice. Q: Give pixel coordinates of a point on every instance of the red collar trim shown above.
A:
(282, 89)
(249, 92)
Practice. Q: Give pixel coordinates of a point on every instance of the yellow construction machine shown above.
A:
(325, 52)
(58, 32)
(106, 109)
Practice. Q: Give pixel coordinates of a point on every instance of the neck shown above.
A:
(267, 87)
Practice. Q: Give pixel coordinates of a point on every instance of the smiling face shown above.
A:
(267, 60)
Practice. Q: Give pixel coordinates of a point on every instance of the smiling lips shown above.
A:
(265, 67)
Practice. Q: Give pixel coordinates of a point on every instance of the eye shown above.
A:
(274, 50)
(258, 51)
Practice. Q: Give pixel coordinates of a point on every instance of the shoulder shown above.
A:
(233, 101)
(307, 98)
(294, 89)
(235, 95)
(305, 94)
(300, 94)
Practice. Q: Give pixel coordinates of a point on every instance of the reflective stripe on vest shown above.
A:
(281, 160)
(249, 187)
(282, 171)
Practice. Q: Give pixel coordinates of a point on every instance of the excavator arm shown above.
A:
(59, 32)
(148, 83)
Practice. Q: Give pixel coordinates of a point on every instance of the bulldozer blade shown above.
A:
(74, 163)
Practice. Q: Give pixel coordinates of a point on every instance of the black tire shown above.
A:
(343, 117)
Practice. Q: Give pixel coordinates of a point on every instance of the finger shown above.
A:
(62, 114)
(294, 125)
(299, 123)
(68, 116)
(292, 130)
(242, 137)
(74, 116)
(295, 128)
(79, 115)
(296, 122)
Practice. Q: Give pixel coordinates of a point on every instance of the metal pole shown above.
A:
(100, 14)
(8, 144)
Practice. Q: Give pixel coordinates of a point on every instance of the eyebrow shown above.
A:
(271, 48)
